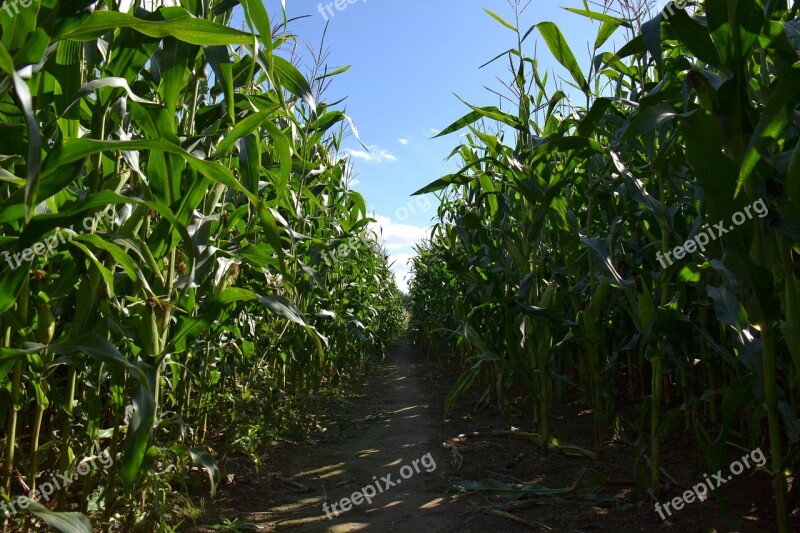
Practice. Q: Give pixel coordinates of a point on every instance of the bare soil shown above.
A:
(397, 418)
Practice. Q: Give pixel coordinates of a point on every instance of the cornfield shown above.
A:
(185, 265)
(545, 273)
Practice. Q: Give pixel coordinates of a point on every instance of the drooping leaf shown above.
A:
(63, 522)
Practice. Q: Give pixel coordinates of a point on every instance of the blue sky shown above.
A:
(409, 59)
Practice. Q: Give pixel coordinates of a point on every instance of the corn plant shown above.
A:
(210, 293)
(552, 234)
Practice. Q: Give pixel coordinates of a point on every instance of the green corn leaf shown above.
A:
(250, 162)
(243, 127)
(11, 284)
(219, 59)
(777, 115)
(183, 27)
(97, 348)
(560, 49)
(290, 77)
(138, 434)
(119, 255)
(605, 32)
(34, 139)
(283, 149)
(63, 522)
(695, 36)
(283, 308)
(501, 21)
(602, 17)
(73, 150)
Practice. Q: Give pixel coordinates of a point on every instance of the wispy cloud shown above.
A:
(401, 269)
(397, 236)
(400, 260)
(375, 155)
(399, 240)
(403, 141)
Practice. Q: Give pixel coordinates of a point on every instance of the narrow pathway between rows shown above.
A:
(395, 421)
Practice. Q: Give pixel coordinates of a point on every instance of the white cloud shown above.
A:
(399, 240)
(397, 236)
(401, 260)
(401, 269)
(403, 141)
(375, 155)
(434, 131)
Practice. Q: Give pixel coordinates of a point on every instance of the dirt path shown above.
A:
(397, 420)
(387, 431)
(395, 428)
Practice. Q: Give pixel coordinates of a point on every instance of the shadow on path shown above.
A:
(388, 450)
(385, 456)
